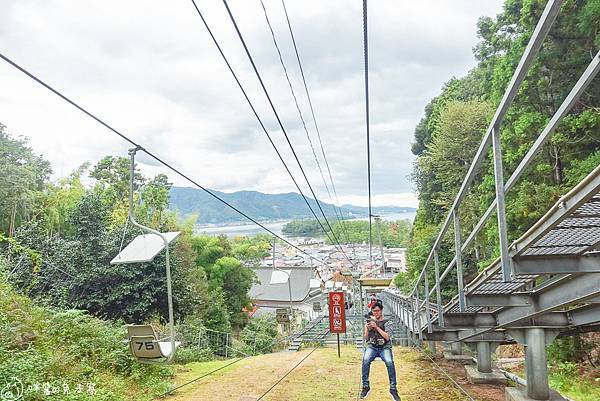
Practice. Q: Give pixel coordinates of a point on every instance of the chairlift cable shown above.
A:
(367, 118)
(214, 39)
(200, 377)
(292, 369)
(150, 154)
(289, 82)
(445, 373)
(312, 111)
(240, 36)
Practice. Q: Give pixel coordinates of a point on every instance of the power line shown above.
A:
(214, 39)
(240, 36)
(292, 369)
(366, 47)
(265, 130)
(130, 141)
(200, 377)
(287, 77)
(312, 111)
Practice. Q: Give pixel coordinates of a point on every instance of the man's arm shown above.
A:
(384, 334)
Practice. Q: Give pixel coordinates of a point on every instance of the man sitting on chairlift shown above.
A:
(379, 344)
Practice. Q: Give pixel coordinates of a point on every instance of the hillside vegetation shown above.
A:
(394, 234)
(63, 306)
(454, 122)
(261, 206)
(68, 354)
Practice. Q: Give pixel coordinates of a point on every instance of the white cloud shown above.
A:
(150, 70)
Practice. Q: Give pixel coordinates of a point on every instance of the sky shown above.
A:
(150, 69)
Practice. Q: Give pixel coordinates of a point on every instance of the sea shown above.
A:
(251, 229)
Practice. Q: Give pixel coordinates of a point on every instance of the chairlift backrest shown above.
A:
(143, 342)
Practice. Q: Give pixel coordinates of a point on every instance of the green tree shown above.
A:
(112, 176)
(21, 182)
(156, 198)
(235, 280)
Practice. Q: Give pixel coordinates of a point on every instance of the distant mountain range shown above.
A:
(259, 206)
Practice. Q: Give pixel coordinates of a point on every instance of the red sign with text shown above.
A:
(337, 313)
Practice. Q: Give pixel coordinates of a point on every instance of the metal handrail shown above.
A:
(503, 262)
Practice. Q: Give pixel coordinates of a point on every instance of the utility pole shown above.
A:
(289, 280)
(378, 223)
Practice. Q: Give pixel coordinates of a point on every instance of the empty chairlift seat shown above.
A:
(147, 347)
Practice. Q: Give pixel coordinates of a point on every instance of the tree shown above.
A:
(235, 280)
(156, 198)
(112, 175)
(23, 176)
(59, 200)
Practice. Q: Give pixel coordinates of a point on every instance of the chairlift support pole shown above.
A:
(131, 218)
(289, 287)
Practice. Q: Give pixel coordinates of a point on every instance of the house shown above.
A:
(273, 291)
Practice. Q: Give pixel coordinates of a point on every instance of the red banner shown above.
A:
(337, 313)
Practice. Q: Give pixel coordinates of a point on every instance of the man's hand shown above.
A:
(371, 325)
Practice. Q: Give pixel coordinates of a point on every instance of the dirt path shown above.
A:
(325, 377)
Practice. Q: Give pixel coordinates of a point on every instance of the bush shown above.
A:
(56, 351)
(260, 334)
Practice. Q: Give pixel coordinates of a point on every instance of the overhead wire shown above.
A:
(150, 154)
(266, 92)
(366, 57)
(218, 46)
(444, 373)
(312, 111)
(200, 377)
(292, 369)
(287, 77)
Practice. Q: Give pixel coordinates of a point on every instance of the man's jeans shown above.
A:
(385, 353)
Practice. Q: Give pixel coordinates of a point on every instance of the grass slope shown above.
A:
(323, 377)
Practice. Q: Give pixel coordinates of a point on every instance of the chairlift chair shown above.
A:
(143, 342)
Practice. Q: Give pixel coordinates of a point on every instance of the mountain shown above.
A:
(259, 206)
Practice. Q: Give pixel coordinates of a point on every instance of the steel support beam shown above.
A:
(557, 265)
(482, 319)
(499, 300)
(585, 315)
(459, 267)
(500, 206)
(455, 335)
(438, 290)
(577, 289)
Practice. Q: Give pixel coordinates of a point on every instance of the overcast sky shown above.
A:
(150, 69)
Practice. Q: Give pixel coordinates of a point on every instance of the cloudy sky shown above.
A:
(150, 69)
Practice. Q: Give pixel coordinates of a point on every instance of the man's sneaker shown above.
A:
(364, 392)
(394, 394)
